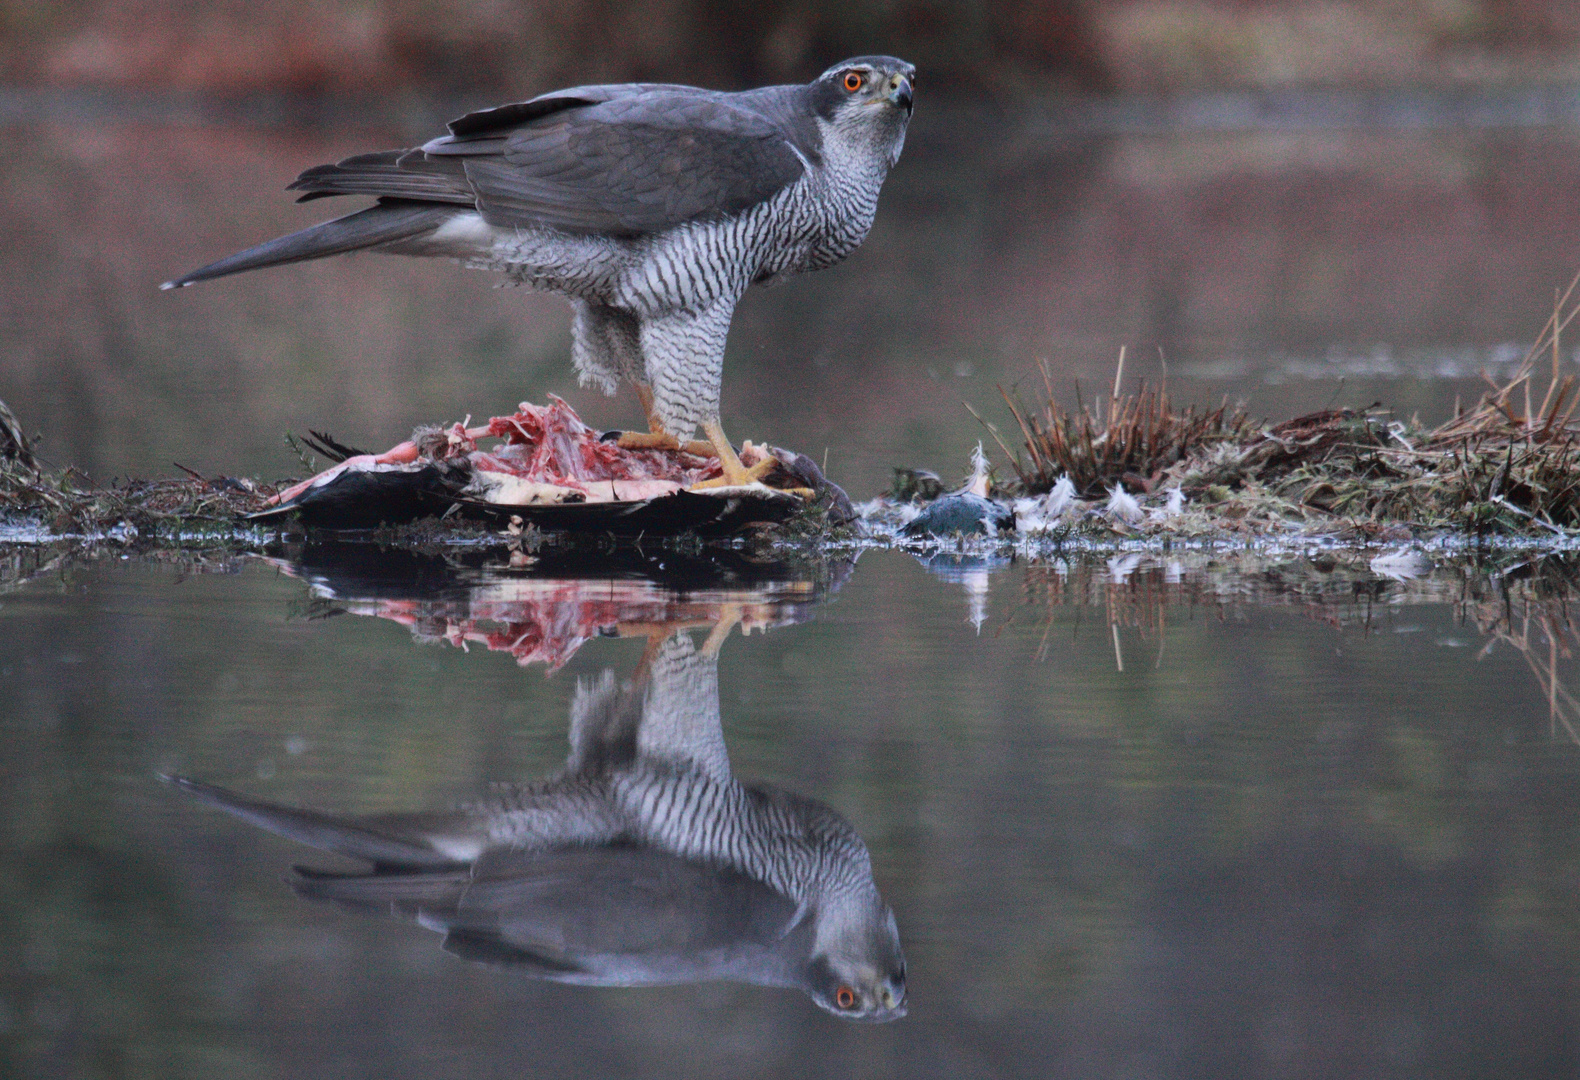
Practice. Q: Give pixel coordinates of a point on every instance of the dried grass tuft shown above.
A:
(1509, 464)
(1133, 441)
(66, 501)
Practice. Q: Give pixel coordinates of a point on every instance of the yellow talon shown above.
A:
(656, 438)
(736, 474)
(747, 475)
(643, 440)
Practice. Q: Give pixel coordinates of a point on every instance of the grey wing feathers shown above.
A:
(587, 161)
(567, 907)
(386, 223)
(636, 164)
(617, 160)
(489, 122)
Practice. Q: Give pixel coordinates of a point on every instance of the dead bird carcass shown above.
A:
(551, 470)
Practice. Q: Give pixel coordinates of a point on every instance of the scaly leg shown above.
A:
(656, 438)
(730, 616)
(735, 473)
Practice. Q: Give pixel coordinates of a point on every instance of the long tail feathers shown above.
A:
(381, 224)
(345, 836)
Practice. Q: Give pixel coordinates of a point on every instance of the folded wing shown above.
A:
(587, 161)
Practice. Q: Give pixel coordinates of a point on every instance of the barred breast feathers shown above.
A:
(797, 846)
(811, 224)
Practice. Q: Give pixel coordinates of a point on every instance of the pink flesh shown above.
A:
(549, 628)
(549, 444)
(546, 444)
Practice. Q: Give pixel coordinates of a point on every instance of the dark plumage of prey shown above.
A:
(644, 862)
(651, 207)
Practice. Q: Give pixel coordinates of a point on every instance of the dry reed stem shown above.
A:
(1505, 464)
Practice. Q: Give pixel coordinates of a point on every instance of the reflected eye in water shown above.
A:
(643, 861)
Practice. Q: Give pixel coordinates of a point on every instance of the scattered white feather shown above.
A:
(1120, 567)
(978, 484)
(880, 514)
(1401, 564)
(1042, 513)
(1029, 517)
(1057, 501)
(1173, 506)
(1122, 506)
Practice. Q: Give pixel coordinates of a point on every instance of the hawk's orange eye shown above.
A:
(845, 997)
(853, 81)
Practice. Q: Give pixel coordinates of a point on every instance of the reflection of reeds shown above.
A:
(1138, 593)
(20, 564)
(1138, 601)
(1542, 633)
(1524, 607)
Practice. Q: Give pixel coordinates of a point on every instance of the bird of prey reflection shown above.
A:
(651, 207)
(643, 862)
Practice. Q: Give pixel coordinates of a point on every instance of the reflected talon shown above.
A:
(730, 616)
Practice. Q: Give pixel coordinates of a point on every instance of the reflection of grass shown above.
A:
(1542, 633)
(1510, 464)
(1518, 605)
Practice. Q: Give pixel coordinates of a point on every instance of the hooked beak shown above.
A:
(890, 1004)
(900, 92)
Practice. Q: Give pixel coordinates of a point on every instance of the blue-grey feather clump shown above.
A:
(963, 513)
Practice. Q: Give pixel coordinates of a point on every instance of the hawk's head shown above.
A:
(857, 968)
(868, 98)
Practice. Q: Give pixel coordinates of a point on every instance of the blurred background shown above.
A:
(1010, 48)
(1295, 204)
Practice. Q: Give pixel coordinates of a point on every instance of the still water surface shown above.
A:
(1187, 817)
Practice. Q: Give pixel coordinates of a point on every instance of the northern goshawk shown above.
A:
(645, 861)
(651, 207)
